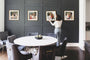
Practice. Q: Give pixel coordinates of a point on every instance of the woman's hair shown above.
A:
(58, 17)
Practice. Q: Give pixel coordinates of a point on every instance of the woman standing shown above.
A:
(57, 24)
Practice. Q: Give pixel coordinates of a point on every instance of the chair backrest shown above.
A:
(32, 33)
(3, 35)
(11, 38)
(19, 56)
(50, 34)
(16, 53)
(9, 50)
(12, 51)
(63, 48)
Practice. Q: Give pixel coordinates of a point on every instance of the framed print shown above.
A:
(50, 15)
(69, 15)
(13, 14)
(32, 15)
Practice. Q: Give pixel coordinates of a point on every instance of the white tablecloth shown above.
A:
(32, 41)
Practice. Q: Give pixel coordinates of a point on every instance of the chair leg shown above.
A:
(61, 58)
(2, 50)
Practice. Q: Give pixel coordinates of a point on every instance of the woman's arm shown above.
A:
(52, 23)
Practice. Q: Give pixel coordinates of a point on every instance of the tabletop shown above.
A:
(32, 41)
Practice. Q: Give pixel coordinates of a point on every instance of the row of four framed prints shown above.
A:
(33, 15)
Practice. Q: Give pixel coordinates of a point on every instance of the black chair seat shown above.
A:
(60, 50)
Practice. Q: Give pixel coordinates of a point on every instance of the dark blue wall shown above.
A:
(23, 26)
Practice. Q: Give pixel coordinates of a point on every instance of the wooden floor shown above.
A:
(73, 53)
(3, 56)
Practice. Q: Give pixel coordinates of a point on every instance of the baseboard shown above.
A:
(75, 44)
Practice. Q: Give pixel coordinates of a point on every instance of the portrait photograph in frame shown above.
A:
(13, 14)
(33, 15)
(50, 15)
(69, 15)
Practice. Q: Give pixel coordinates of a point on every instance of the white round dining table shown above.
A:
(32, 41)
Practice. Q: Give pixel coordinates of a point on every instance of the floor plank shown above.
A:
(3, 56)
(74, 53)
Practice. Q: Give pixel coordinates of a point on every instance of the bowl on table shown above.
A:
(38, 37)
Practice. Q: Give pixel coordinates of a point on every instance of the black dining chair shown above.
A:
(87, 49)
(3, 35)
(3, 39)
(50, 34)
(14, 54)
(11, 40)
(32, 33)
(60, 51)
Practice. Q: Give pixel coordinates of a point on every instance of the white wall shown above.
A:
(88, 18)
(87, 35)
(1, 15)
(82, 18)
(87, 10)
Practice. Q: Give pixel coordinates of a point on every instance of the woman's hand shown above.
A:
(49, 20)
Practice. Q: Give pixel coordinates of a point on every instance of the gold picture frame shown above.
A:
(50, 15)
(69, 15)
(33, 15)
(13, 14)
